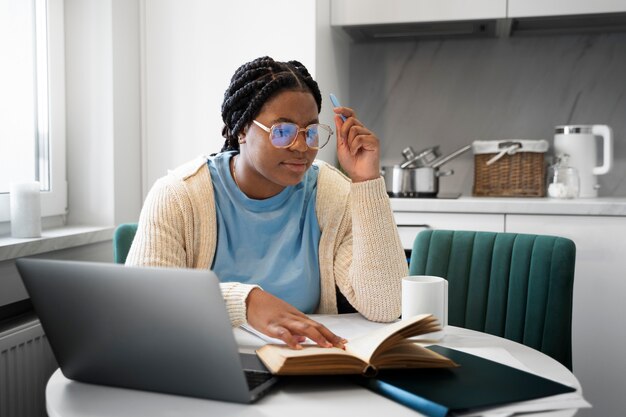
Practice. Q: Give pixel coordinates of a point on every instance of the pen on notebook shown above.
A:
(335, 102)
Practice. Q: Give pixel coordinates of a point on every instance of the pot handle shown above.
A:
(444, 173)
(453, 155)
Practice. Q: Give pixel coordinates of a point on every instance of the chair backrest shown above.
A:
(516, 286)
(122, 239)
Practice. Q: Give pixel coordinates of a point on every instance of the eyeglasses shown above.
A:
(283, 135)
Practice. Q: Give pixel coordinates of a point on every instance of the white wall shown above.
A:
(146, 79)
(103, 111)
(191, 49)
(126, 110)
(89, 120)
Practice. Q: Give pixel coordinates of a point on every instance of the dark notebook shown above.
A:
(477, 383)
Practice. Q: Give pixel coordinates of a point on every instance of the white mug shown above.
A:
(424, 294)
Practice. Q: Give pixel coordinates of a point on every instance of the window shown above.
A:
(32, 109)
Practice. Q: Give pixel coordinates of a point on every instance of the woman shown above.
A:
(281, 233)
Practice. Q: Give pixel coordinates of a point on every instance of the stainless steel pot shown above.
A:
(417, 182)
(412, 182)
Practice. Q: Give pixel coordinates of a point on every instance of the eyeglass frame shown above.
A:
(295, 138)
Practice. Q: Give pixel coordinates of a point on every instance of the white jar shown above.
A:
(563, 181)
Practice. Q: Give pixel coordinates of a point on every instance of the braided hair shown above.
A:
(252, 85)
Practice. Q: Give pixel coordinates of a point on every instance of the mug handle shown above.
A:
(607, 139)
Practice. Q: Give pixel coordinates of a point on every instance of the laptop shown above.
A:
(153, 329)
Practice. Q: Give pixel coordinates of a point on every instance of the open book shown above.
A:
(386, 348)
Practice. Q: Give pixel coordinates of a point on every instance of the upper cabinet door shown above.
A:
(371, 12)
(536, 8)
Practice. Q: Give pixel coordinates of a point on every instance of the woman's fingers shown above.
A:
(296, 329)
(335, 340)
(315, 331)
(353, 127)
(281, 320)
(361, 138)
(346, 112)
(280, 332)
(344, 129)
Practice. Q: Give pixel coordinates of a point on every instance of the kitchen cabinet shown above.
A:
(376, 12)
(536, 8)
(370, 12)
(411, 223)
(598, 308)
(397, 19)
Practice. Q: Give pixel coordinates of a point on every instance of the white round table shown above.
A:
(67, 398)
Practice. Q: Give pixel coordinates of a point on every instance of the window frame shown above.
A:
(54, 201)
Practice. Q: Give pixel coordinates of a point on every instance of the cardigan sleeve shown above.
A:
(160, 240)
(165, 239)
(370, 261)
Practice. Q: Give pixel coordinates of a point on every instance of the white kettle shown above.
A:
(579, 142)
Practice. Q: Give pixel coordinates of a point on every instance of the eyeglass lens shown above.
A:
(283, 134)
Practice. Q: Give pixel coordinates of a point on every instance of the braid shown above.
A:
(252, 85)
(310, 82)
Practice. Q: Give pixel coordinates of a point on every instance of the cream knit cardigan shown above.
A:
(359, 250)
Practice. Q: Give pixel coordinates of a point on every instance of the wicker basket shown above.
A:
(509, 168)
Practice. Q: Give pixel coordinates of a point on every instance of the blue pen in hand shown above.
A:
(335, 102)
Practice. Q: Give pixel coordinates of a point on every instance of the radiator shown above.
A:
(26, 364)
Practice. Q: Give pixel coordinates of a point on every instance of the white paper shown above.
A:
(347, 326)
(269, 339)
(557, 402)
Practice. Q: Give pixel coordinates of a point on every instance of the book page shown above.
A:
(366, 346)
(348, 326)
(310, 360)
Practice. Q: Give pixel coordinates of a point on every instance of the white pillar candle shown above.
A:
(25, 209)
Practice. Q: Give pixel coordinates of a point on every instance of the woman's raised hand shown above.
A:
(358, 149)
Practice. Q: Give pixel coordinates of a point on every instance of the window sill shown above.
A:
(53, 239)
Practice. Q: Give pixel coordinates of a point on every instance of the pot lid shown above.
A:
(422, 159)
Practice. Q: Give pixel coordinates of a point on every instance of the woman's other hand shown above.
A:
(358, 149)
(278, 319)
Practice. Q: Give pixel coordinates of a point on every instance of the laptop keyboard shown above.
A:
(256, 378)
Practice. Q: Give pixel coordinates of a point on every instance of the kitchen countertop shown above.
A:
(602, 206)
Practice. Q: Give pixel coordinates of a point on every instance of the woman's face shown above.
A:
(267, 170)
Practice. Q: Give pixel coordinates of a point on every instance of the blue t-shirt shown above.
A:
(272, 242)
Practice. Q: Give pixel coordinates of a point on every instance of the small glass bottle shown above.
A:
(563, 180)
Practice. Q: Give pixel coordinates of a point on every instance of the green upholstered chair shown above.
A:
(516, 286)
(122, 239)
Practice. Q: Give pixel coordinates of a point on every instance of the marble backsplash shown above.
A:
(452, 92)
